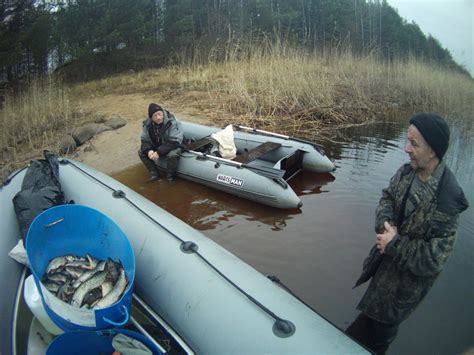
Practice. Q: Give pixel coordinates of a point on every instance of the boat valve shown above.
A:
(283, 328)
(188, 247)
(118, 194)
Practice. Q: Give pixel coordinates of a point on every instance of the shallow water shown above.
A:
(317, 251)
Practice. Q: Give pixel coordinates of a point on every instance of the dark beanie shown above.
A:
(434, 130)
(152, 108)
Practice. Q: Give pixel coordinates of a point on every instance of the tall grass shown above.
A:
(334, 88)
(271, 85)
(292, 89)
(432, 88)
(32, 120)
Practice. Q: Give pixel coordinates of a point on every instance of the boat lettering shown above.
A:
(229, 180)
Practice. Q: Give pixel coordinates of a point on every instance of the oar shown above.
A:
(317, 146)
(255, 130)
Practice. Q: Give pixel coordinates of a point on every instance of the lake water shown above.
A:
(317, 251)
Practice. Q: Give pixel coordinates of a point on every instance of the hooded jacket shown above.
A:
(163, 137)
(414, 258)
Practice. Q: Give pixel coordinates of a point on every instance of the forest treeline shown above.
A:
(37, 37)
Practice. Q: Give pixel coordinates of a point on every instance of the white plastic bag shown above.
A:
(225, 138)
(18, 253)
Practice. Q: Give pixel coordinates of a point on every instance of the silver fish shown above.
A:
(106, 288)
(89, 285)
(65, 292)
(52, 287)
(59, 262)
(88, 263)
(85, 281)
(114, 295)
(88, 274)
(74, 271)
(114, 270)
(57, 277)
(92, 297)
(92, 261)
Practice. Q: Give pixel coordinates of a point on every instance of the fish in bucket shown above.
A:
(83, 266)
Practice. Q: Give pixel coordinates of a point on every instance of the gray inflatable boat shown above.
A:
(215, 302)
(261, 169)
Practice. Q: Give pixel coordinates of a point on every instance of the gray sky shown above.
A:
(449, 21)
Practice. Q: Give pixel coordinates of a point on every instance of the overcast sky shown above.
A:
(449, 21)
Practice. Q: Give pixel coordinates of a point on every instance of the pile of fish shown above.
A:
(85, 281)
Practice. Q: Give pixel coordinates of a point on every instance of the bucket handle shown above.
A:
(118, 324)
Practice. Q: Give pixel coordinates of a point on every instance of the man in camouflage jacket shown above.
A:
(416, 223)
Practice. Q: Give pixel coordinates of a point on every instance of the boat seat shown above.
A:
(200, 143)
(256, 152)
(292, 164)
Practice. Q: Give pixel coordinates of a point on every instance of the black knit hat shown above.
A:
(434, 130)
(152, 108)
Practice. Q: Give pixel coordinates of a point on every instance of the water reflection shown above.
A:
(365, 166)
(378, 136)
(206, 209)
(309, 183)
(460, 153)
(318, 251)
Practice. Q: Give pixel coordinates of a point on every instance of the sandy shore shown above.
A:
(113, 151)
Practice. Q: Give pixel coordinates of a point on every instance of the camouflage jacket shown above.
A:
(415, 257)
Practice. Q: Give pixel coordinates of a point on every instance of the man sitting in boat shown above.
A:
(160, 140)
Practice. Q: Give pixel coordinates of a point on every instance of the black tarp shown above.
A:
(40, 190)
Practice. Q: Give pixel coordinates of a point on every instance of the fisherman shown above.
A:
(416, 223)
(160, 140)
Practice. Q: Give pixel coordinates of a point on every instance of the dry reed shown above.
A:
(293, 90)
(271, 86)
(33, 120)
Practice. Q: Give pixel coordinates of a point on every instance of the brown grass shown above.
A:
(31, 121)
(261, 83)
(269, 86)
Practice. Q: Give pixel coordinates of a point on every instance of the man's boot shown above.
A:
(154, 176)
(151, 167)
(171, 166)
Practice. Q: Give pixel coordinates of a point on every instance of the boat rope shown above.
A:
(10, 178)
(277, 280)
(282, 328)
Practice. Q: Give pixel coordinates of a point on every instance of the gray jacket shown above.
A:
(163, 137)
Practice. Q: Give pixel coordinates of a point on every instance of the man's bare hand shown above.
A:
(386, 237)
(152, 155)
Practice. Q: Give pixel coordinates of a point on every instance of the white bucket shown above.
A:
(35, 304)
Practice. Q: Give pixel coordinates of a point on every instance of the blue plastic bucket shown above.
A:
(79, 230)
(92, 343)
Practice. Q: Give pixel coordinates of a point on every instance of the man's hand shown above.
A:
(153, 155)
(386, 237)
